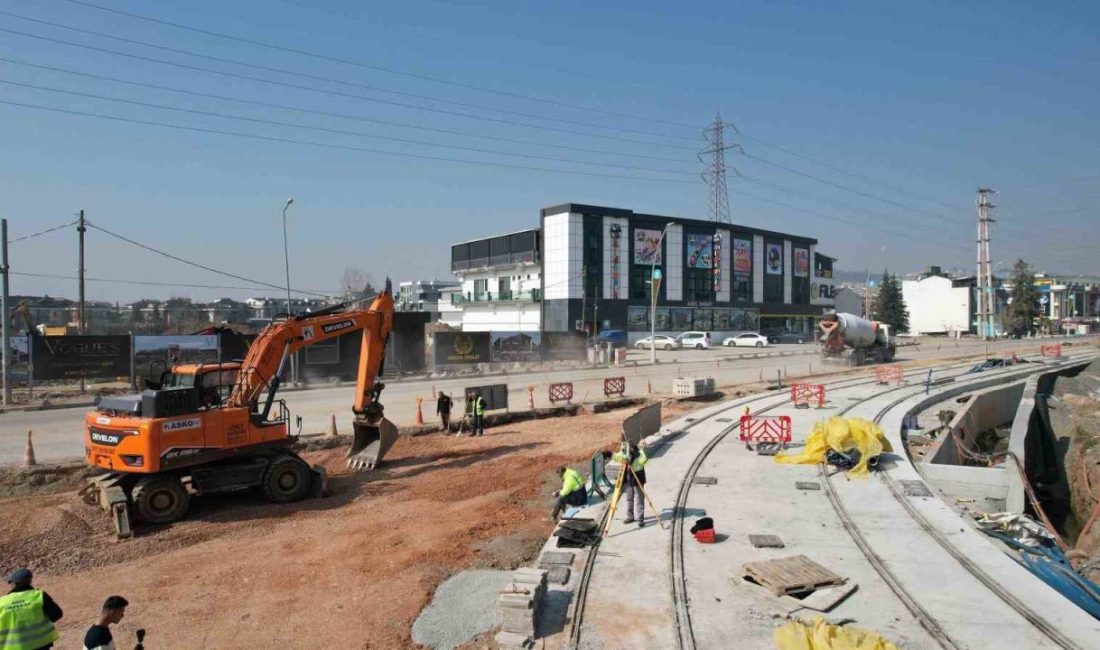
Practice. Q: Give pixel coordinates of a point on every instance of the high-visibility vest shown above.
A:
(23, 625)
(639, 460)
(571, 481)
(479, 406)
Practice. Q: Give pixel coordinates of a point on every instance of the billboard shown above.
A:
(801, 263)
(462, 347)
(515, 346)
(773, 260)
(700, 248)
(73, 357)
(563, 346)
(647, 246)
(742, 256)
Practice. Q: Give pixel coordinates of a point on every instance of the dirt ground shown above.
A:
(352, 570)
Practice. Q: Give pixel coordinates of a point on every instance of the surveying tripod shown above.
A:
(620, 480)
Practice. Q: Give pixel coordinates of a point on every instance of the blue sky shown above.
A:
(886, 116)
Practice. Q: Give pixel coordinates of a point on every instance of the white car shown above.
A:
(697, 340)
(748, 339)
(663, 342)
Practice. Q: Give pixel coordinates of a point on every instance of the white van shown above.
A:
(697, 340)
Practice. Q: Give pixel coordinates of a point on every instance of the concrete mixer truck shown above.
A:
(849, 339)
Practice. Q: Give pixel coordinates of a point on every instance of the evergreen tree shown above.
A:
(889, 306)
(1023, 308)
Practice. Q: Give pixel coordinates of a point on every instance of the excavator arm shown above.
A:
(267, 357)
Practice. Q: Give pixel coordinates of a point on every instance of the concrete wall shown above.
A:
(984, 410)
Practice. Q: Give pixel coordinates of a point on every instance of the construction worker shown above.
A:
(479, 415)
(443, 409)
(633, 481)
(99, 635)
(27, 615)
(572, 492)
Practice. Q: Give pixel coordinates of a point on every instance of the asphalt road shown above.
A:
(58, 433)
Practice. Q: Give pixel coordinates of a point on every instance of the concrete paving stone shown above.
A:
(766, 541)
(558, 575)
(555, 558)
(705, 480)
(807, 485)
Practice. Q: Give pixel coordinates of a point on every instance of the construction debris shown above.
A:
(819, 634)
(766, 541)
(520, 602)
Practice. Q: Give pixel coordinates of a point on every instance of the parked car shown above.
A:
(617, 338)
(746, 339)
(789, 337)
(662, 342)
(697, 340)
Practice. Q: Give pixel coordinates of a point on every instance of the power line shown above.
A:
(257, 120)
(196, 264)
(149, 283)
(43, 232)
(345, 116)
(378, 68)
(336, 81)
(326, 145)
(840, 170)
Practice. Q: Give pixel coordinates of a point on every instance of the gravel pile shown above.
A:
(463, 607)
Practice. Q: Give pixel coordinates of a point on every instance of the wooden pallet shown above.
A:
(790, 575)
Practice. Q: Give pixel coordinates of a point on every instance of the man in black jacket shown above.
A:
(443, 408)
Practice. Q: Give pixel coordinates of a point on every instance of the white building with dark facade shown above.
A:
(589, 267)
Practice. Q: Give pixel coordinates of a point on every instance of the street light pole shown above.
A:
(286, 255)
(286, 261)
(654, 286)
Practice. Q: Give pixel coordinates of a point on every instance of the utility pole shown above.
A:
(6, 319)
(985, 272)
(80, 229)
(714, 157)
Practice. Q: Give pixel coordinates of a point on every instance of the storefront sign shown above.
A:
(774, 259)
(462, 347)
(73, 357)
(647, 246)
(700, 249)
(742, 256)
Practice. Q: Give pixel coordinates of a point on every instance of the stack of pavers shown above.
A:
(519, 603)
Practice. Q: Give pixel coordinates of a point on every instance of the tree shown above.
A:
(1022, 307)
(890, 306)
(353, 281)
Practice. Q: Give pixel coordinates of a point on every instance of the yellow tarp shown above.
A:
(819, 635)
(841, 434)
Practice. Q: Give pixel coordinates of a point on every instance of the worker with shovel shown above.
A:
(633, 481)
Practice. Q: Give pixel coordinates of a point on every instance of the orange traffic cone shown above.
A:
(649, 387)
(333, 432)
(28, 453)
(419, 413)
(531, 397)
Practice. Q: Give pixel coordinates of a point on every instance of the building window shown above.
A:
(504, 289)
(742, 288)
(721, 319)
(823, 267)
(637, 319)
(681, 318)
(664, 318)
(481, 289)
(702, 319)
(640, 285)
(699, 285)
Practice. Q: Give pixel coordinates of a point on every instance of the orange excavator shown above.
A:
(219, 427)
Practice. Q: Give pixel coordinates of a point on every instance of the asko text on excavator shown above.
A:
(209, 428)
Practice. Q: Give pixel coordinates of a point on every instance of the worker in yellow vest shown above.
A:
(27, 615)
(479, 415)
(572, 492)
(633, 482)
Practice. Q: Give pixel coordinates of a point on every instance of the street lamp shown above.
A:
(286, 256)
(654, 285)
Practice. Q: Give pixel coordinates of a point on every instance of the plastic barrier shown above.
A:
(766, 428)
(562, 392)
(889, 374)
(803, 395)
(1051, 350)
(614, 386)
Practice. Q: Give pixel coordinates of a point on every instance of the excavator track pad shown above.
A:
(371, 442)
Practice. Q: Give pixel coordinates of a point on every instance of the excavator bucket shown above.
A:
(371, 443)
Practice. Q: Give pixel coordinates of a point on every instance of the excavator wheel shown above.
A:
(287, 479)
(160, 499)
